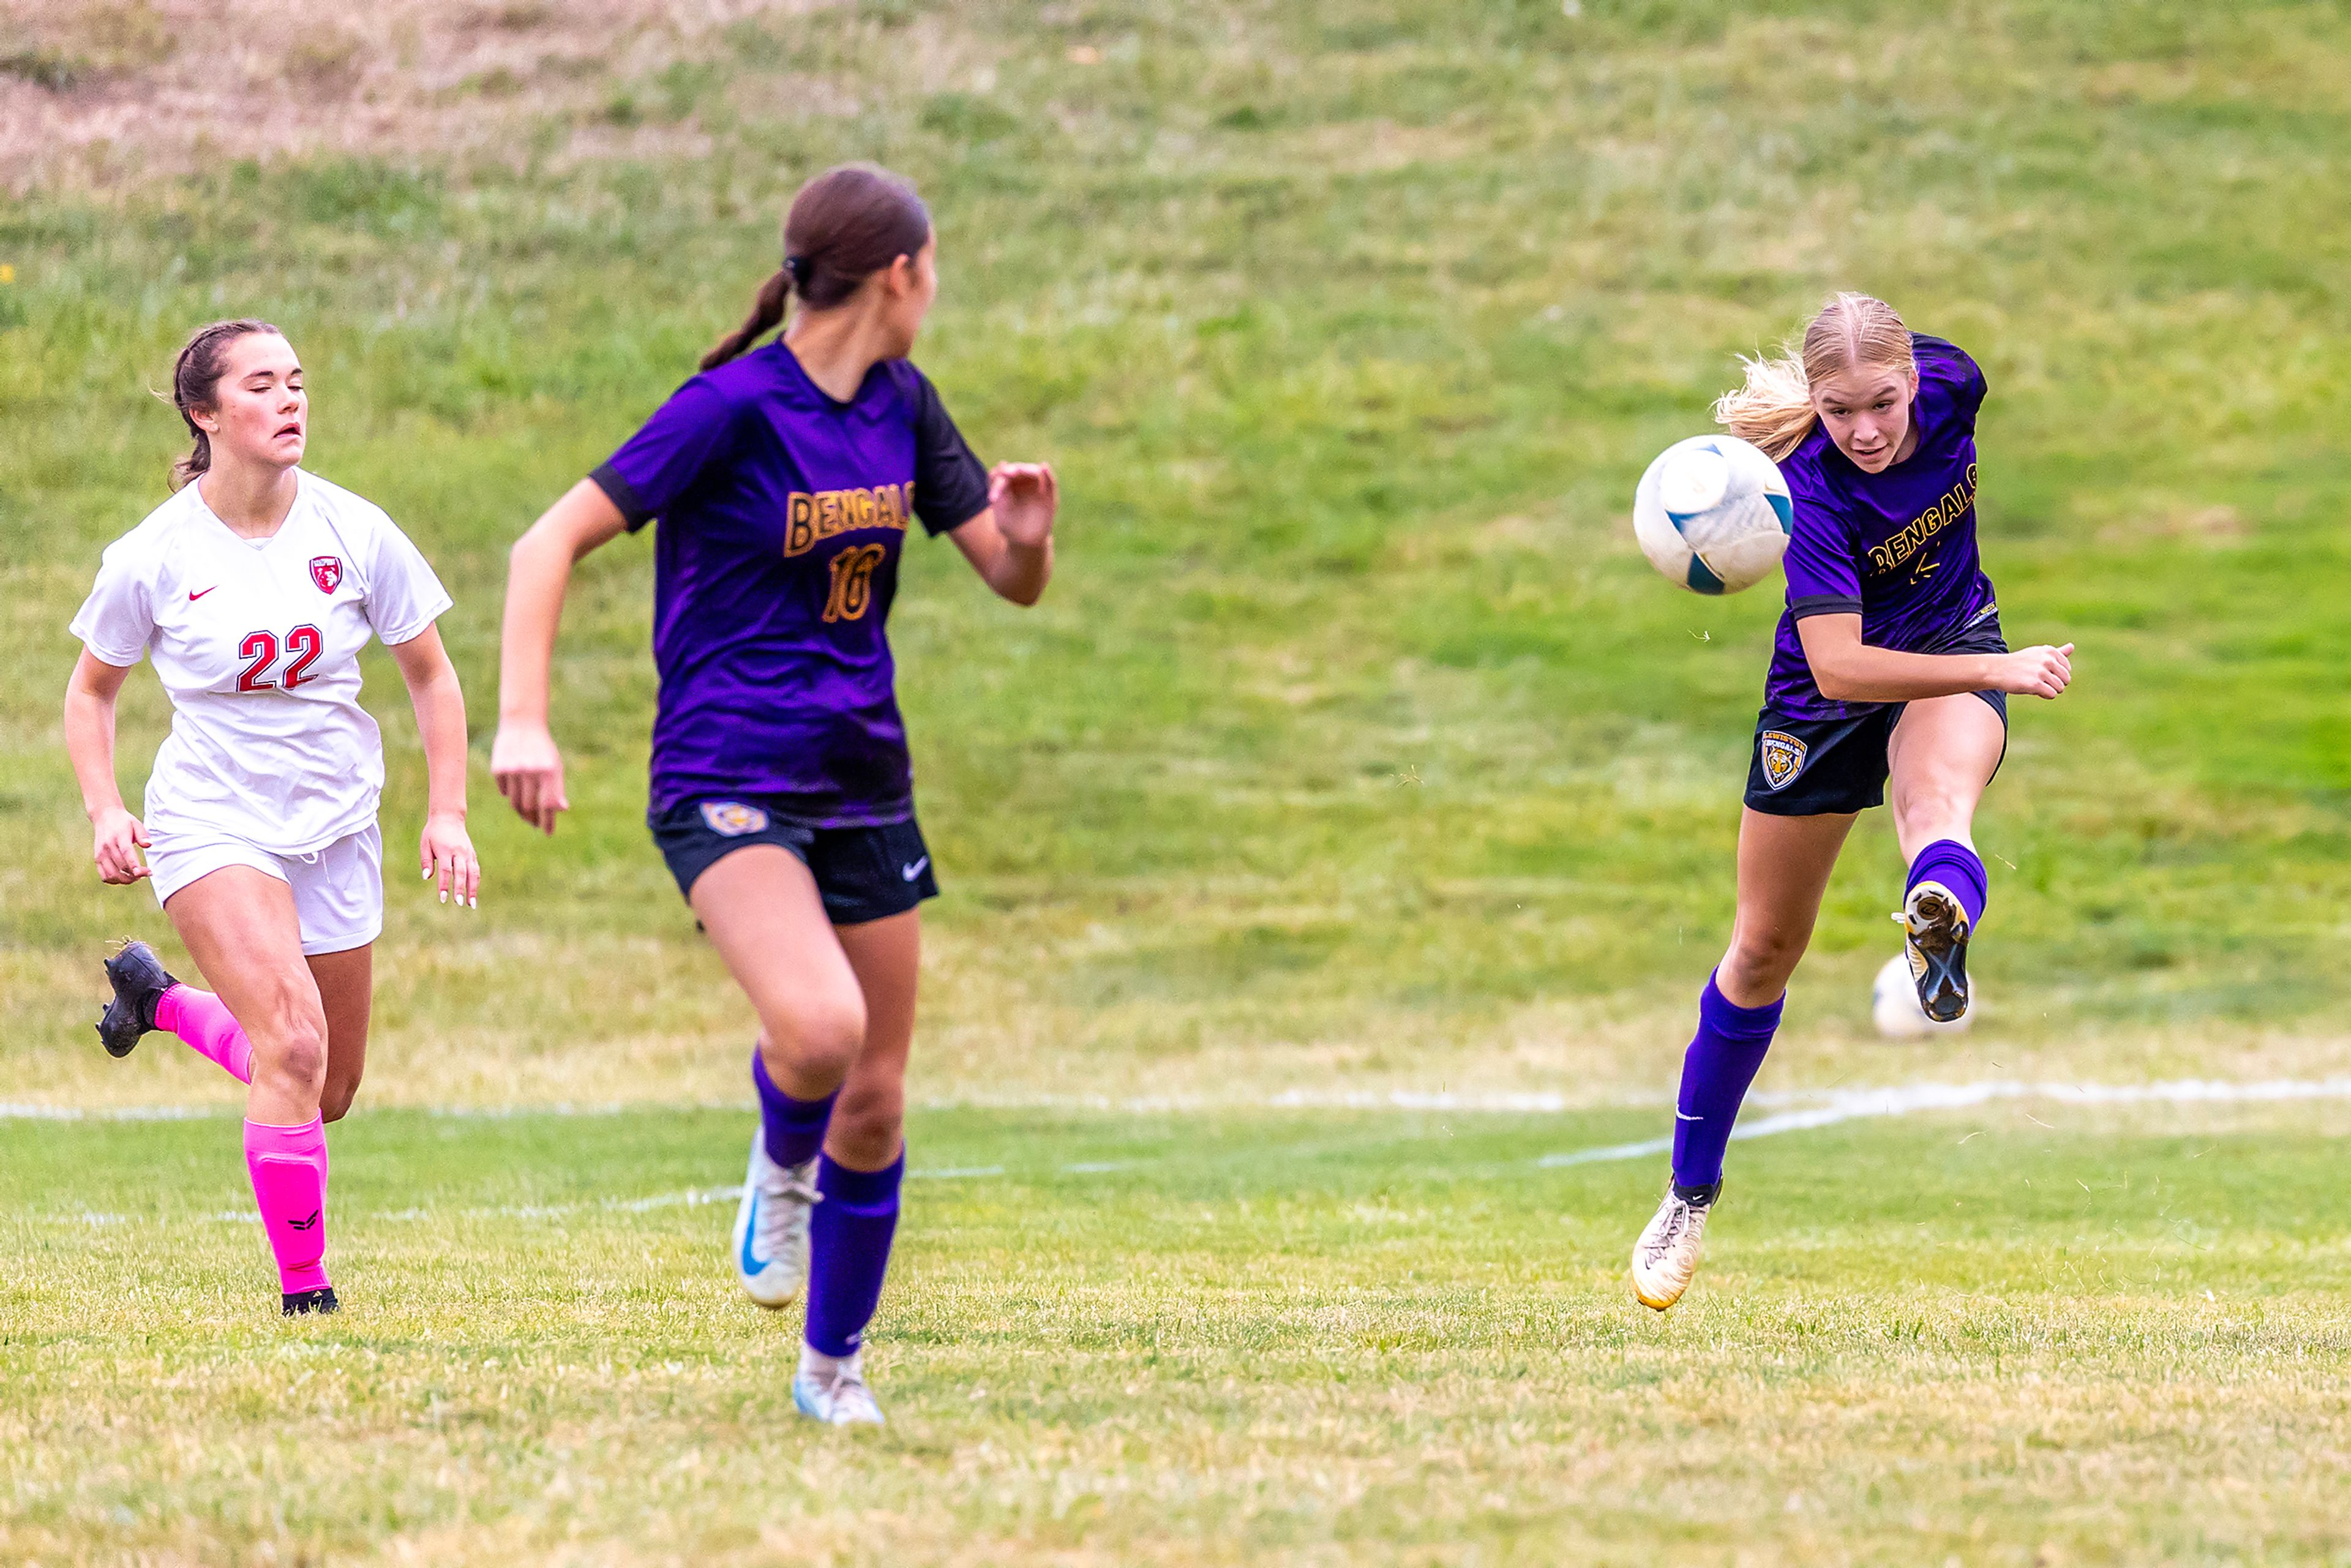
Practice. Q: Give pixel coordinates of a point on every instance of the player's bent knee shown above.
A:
(815, 1038)
(291, 1042)
(1766, 960)
(1922, 804)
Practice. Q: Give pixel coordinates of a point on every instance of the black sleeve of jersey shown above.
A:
(950, 483)
(623, 494)
(1822, 604)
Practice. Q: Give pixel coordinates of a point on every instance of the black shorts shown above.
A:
(863, 873)
(1814, 766)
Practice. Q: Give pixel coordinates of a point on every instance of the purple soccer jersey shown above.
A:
(782, 516)
(1899, 548)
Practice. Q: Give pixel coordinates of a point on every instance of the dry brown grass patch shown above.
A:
(99, 94)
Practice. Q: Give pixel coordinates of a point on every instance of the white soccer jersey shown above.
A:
(257, 642)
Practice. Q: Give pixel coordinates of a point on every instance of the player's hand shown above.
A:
(2038, 672)
(447, 851)
(118, 837)
(529, 773)
(1024, 496)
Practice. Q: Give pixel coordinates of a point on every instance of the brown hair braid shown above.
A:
(845, 226)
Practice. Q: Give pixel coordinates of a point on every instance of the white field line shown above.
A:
(1506, 1103)
(19, 1112)
(1519, 1103)
(1855, 1105)
(691, 1198)
(10, 1112)
(1834, 1106)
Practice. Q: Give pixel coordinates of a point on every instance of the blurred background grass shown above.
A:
(1355, 744)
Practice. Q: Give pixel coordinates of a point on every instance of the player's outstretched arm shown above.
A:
(119, 836)
(1847, 669)
(445, 851)
(523, 759)
(1010, 544)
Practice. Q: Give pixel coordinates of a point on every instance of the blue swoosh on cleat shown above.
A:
(751, 1264)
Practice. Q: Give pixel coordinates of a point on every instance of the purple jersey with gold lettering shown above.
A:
(782, 515)
(1899, 548)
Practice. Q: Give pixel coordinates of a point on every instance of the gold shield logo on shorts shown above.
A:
(732, 818)
(1783, 758)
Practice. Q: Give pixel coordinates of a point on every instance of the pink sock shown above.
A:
(201, 1019)
(290, 1183)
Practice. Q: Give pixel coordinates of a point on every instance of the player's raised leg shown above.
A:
(1783, 869)
(147, 997)
(760, 905)
(1942, 754)
(240, 926)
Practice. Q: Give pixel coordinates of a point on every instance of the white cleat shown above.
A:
(772, 1227)
(1934, 933)
(1665, 1257)
(837, 1397)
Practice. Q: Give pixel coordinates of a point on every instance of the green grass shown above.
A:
(1354, 750)
(1355, 719)
(1336, 1339)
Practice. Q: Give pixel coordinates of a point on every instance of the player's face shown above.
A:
(1867, 412)
(259, 412)
(907, 292)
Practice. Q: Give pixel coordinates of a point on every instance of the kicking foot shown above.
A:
(140, 980)
(1935, 934)
(772, 1227)
(836, 1394)
(300, 1304)
(1665, 1257)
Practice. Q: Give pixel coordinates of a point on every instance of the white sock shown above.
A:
(829, 1367)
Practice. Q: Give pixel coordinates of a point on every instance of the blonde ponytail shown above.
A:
(1773, 408)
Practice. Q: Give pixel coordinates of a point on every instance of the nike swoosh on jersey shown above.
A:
(911, 872)
(193, 597)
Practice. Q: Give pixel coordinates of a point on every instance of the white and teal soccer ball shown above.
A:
(1893, 1004)
(1712, 514)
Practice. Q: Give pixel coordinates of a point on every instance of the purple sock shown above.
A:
(848, 1250)
(1957, 867)
(795, 1128)
(1720, 1063)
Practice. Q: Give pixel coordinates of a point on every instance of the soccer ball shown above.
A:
(1712, 514)
(1893, 1004)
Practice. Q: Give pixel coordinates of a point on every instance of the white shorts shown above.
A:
(337, 891)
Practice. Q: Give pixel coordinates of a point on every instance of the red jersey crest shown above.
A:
(326, 570)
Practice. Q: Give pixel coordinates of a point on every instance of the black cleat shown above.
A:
(140, 980)
(299, 1304)
(1935, 934)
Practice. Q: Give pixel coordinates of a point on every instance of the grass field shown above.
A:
(1317, 1338)
(1355, 758)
